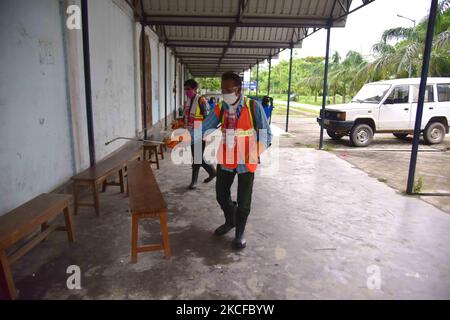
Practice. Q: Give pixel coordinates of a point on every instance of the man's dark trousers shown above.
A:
(224, 180)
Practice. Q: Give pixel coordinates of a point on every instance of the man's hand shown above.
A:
(182, 137)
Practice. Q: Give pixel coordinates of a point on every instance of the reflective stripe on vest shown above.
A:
(244, 131)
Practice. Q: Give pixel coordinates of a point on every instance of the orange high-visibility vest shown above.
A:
(245, 139)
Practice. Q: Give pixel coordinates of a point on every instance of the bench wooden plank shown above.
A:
(146, 201)
(145, 196)
(94, 176)
(106, 167)
(23, 220)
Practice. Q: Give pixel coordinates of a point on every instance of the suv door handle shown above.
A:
(406, 109)
(431, 108)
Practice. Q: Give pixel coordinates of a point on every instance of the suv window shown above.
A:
(428, 94)
(400, 94)
(443, 91)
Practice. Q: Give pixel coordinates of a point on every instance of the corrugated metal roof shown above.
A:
(212, 36)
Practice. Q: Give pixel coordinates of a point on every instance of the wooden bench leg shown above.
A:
(104, 184)
(96, 199)
(165, 234)
(122, 186)
(156, 156)
(128, 188)
(76, 196)
(161, 151)
(144, 151)
(134, 237)
(69, 224)
(6, 279)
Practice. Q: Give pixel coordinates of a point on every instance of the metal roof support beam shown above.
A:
(270, 69)
(175, 88)
(365, 3)
(241, 8)
(87, 80)
(144, 82)
(238, 45)
(342, 6)
(165, 87)
(423, 81)
(221, 21)
(324, 96)
(207, 64)
(238, 56)
(257, 78)
(289, 88)
(325, 77)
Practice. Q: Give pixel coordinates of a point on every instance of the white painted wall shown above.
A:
(42, 98)
(35, 144)
(111, 31)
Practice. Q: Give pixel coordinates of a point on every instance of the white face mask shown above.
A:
(230, 98)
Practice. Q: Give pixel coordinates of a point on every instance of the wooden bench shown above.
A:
(152, 149)
(23, 222)
(146, 201)
(155, 148)
(97, 175)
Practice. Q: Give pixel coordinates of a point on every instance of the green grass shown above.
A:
(282, 109)
(418, 185)
(311, 99)
(305, 145)
(327, 147)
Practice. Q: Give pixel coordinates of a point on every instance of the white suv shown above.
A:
(390, 107)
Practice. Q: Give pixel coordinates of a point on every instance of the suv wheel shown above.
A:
(434, 133)
(334, 135)
(361, 135)
(400, 135)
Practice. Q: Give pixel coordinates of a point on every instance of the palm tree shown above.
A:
(343, 78)
(404, 58)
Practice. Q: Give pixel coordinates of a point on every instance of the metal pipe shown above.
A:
(165, 86)
(87, 81)
(423, 83)
(289, 88)
(270, 69)
(324, 97)
(134, 139)
(175, 88)
(144, 82)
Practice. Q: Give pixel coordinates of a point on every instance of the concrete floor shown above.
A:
(386, 159)
(315, 229)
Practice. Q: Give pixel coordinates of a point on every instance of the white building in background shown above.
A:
(43, 122)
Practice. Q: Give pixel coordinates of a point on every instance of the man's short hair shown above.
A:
(230, 75)
(191, 83)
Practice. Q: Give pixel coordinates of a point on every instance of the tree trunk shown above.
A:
(344, 94)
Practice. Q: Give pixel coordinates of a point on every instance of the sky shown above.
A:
(364, 27)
